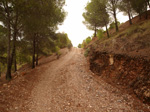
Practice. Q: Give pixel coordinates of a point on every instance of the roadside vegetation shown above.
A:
(85, 42)
(28, 30)
(120, 53)
(102, 14)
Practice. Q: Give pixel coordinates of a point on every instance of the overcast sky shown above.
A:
(73, 25)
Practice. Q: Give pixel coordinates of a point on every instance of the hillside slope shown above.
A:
(124, 59)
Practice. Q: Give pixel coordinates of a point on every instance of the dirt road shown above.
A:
(66, 85)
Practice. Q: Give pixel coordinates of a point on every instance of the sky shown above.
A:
(73, 25)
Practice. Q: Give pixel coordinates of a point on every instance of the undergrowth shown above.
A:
(86, 52)
(134, 31)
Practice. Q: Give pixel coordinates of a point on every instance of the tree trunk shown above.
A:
(140, 16)
(95, 31)
(116, 23)
(146, 14)
(33, 55)
(8, 73)
(107, 31)
(37, 56)
(37, 52)
(0, 72)
(13, 55)
(15, 62)
(130, 20)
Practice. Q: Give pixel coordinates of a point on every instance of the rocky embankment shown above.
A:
(124, 71)
(124, 60)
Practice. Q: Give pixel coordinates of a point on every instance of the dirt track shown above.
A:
(66, 85)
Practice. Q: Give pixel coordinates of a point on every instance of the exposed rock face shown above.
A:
(129, 72)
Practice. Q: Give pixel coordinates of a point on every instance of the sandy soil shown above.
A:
(66, 85)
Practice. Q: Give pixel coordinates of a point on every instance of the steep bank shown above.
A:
(122, 70)
(124, 59)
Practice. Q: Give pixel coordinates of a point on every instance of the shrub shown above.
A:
(57, 49)
(132, 30)
(79, 46)
(84, 44)
(100, 33)
(69, 46)
(112, 25)
(86, 52)
(88, 40)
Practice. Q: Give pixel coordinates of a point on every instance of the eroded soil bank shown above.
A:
(128, 73)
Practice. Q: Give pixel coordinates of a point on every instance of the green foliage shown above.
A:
(86, 53)
(57, 49)
(95, 15)
(112, 7)
(137, 29)
(126, 7)
(80, 45)
(69, 45)
(131, 30)
(2, 68)
(100, 33)
(112, 25)
(84, 44)
(63, 41)
(23, 58)
(139, 6)
(88, 40)
(30, 26)
(3, 41)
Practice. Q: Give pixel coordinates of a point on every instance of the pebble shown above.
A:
(89, 106)
(69, 104)
(4, 84)
(16, 108)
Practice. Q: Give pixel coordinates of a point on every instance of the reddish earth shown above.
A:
(65, 85)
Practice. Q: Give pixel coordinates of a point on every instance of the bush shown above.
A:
(88, 40)
(80, 45)
(100, 33)
(57, 49)
(132, 30)
(84, 44)
(69, 46)
(2, 68)
(86, 52)
(112, 25)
